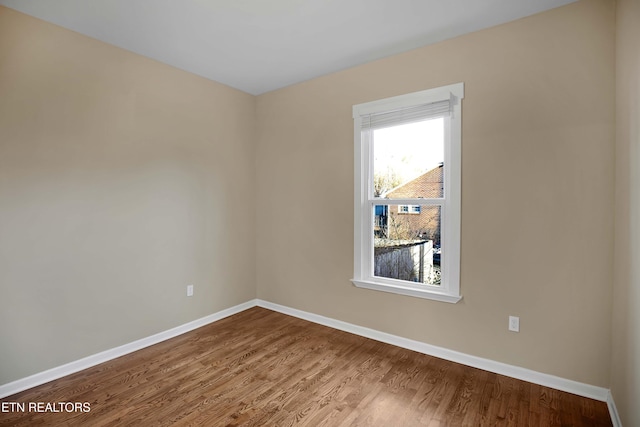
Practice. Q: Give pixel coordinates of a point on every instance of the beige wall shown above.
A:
(625, 372)
(122, 180)
(538, 180)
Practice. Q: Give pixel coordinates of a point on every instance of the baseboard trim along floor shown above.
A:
(581, 389)
(104, 356)
(586, 390)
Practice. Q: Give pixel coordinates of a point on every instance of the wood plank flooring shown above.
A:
(262, 368)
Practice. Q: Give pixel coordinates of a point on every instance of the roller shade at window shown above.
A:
(407, 115)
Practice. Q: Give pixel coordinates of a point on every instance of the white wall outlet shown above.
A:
(190, 290)
(514, 323)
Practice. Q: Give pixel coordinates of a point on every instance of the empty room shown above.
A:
(306, 212)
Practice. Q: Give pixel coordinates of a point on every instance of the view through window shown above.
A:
(408, 164)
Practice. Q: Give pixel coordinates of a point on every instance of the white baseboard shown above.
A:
(95, 359)
(615, 417)
(581, 389)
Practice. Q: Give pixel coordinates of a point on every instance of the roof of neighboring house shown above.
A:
(428, 185)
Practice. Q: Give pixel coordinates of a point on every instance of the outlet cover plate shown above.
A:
(514, 323)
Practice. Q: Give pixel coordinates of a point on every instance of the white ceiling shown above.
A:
(261, 45)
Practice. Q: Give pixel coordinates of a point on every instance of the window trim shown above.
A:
(449, 290)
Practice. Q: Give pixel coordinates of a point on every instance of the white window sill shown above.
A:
(406, 290)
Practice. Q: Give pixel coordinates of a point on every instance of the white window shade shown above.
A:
(407, 115)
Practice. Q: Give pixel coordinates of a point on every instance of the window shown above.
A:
(407, 194)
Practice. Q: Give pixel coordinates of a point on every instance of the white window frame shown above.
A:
(364, 204)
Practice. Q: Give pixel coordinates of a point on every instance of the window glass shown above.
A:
(407, 247)
(404, 152)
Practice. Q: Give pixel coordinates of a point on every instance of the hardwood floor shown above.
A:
(262, 368)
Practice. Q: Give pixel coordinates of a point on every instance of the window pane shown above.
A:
(407, 244)
(408, 160)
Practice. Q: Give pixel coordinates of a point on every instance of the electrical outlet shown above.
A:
(190, 290)
(514, 323)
